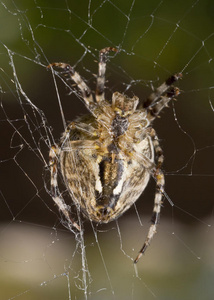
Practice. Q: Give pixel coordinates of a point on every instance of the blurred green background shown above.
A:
(156, 39)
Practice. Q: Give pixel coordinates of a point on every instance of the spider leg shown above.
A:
(100, 95)
(85, 90)
(57, 198)
(85, 129)
(154, 111)
(159, 176)
(158, 100)
(77, 136)
(153, 97)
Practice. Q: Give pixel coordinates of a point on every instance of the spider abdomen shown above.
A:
(104, 180)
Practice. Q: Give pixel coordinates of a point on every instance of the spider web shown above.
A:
(40, 257)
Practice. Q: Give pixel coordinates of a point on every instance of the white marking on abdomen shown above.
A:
(119, 186)
(98, 186)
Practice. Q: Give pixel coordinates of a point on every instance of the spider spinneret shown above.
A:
(107, 157)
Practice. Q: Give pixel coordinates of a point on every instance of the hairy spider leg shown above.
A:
(154, 111)
(154, 104)
(154, 97)
(86, 129)
(100, 94)
(157, 101)
(159, 176)
(85, 90)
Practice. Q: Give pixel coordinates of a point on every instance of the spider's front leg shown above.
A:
(57, 198)
(69, 71)
(100, 95)
(159, 177)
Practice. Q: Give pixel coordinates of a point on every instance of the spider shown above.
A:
(106, 158)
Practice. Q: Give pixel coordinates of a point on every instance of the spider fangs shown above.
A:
(107, 157)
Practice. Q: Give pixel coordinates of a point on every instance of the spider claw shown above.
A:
(138, 257)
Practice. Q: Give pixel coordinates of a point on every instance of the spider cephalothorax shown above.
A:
(106, 158)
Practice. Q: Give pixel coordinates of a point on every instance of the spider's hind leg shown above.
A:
(159, 177)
